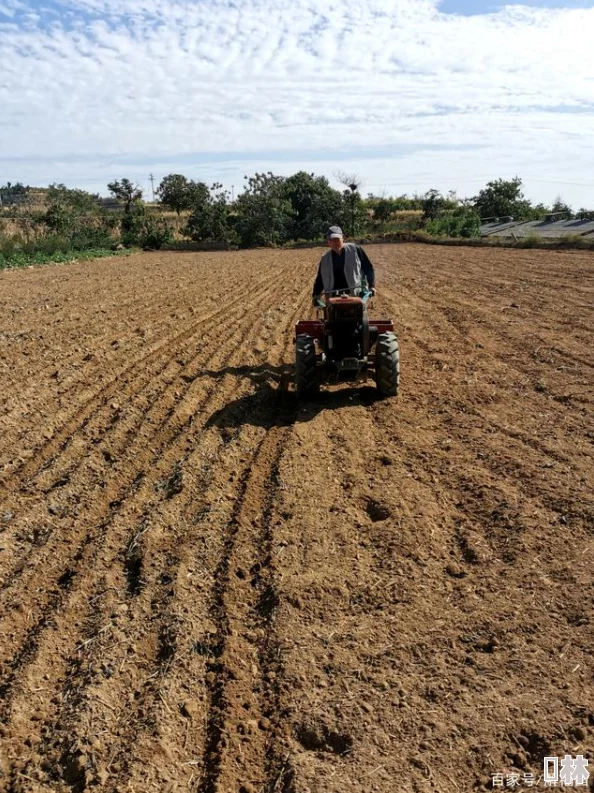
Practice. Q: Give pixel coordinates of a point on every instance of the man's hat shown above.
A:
(334, 232)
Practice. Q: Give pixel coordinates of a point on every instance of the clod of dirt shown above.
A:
(190, 709)
(454, 571)
(319, 738)
(579, 733)
(376, 510)
(7, 516)
(518, 759)
(385, 460)
(536, 746)
(487, 645)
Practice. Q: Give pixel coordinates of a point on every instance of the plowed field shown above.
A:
(206, 586)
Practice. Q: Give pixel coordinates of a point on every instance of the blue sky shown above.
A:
(478, 7)
(408, 94)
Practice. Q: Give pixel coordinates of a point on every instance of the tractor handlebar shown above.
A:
(365, 295)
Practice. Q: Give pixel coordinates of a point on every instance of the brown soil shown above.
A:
(207, 587)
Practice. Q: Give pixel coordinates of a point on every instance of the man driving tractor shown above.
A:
(342, 267)
(345, 344)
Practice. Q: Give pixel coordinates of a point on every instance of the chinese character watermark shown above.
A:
(570, 772)
(564, 771)
(513, 780)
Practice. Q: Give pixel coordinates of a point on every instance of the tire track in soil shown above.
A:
(244, 744)
(247, 654)
(45, 455)
(162, 657)
(106, 446)
(265, 413)
(93, 541)
(145, 709)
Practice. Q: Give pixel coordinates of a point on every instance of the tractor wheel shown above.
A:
(387, 364)
(306, 380)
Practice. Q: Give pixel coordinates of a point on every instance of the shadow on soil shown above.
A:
(274, 402)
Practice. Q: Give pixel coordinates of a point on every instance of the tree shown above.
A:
(433, 205)
(140, 226)
(60, 218)
(355, 210)
(210, 217)
(585, 214)
(459, 222)
(383, 210)
(501, 198)
(126, 192)
(10, 189)
(559, 206)
(79, 200)
(263, 215)
(315, 205)
(179, 193)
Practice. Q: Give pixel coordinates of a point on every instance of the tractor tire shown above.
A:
(387, 364)
(306, 379)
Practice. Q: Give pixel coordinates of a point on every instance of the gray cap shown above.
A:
(334, 232)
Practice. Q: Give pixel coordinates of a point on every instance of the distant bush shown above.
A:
(211, 219)
(141, 227)
(22, 259)
(461, 222)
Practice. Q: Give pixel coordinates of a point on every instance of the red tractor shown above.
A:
(343, 344)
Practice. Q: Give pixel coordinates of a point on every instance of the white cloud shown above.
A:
(151, 80)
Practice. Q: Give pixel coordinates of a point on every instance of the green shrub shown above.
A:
(461, 222)
(140, 227)
(90, 237)
(60, 218)
(10, 245)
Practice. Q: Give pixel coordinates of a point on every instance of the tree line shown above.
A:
(271, 210)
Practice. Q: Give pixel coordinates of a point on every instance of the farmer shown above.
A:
(342, 266)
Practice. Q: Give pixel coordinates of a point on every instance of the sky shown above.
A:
(408, 95)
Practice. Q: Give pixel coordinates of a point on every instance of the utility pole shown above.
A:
(232, 193)
(152, 178)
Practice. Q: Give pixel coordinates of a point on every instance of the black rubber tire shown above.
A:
(306, 379)
(387, 364)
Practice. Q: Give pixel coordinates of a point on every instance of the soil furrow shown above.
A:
(149, 459)
(224, 468)
(103, 480)
(61, 438)
(142, 706)
(244, 725)
(214, 587)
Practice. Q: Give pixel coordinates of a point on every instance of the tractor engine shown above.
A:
(346, 328)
